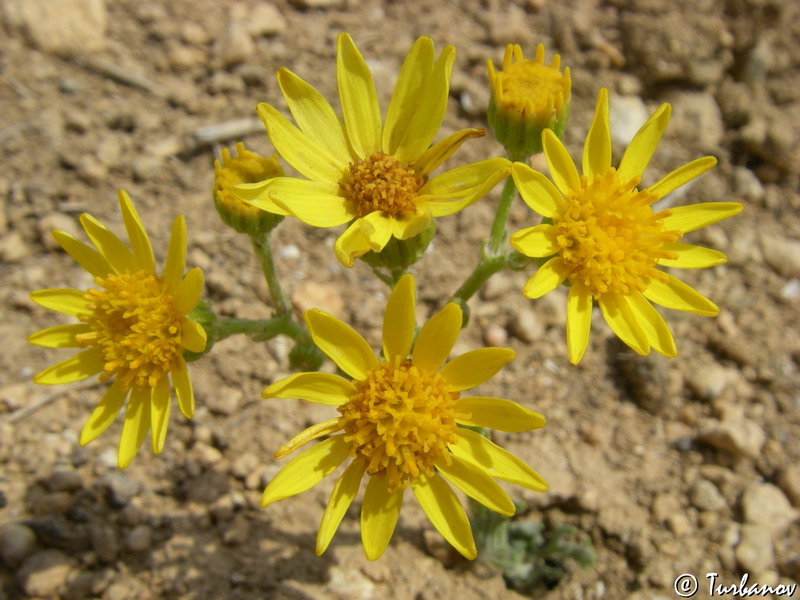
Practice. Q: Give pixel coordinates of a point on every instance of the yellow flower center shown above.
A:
(401, 420)
(531, 88)
(136, 324)
(381, 182)
(610, 239)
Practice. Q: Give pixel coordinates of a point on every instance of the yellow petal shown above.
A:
(359, 100)
(681, 175)
(351, 244)
(434, 156)
(547, 278)
(305, 154)
(597, 148)
(88, 258)
(135, 426)
(691, 257)
(560, 164)
(183, 388)
(377, 228)
(64, 300)
(342, 496)
(460, 181)
(159, 414)
(446, 513)
(306, 470)
(492, 459)
(692, 217)
(408, 224)
(411, 85)
(437, 338)
(643, 145)
(341, 343)
(176, 254)
(536, 190)
(427, 110)
(456, 189)
(380, 510)
(140, 243)
(623, 323)
(60, 336)
(309, 434)
(538, 241)
(324, 388)
(652, 323)
(105, 413)
(677, 295)
(110, 246)
(315, 203)
(77, 367)
(257, 194)
(398, 320)
(475, 367)
(189, 291)
(193, 336)
(314, 115)
(476, 484)
(579, 321)
(497, 413)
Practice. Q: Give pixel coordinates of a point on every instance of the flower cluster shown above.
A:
(402, 419)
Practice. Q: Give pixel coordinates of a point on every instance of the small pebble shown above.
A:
(16, 542)
(139, 539)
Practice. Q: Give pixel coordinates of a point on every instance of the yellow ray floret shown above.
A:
(399, 423)
(371, 173)
(133, 329)
(608, 242)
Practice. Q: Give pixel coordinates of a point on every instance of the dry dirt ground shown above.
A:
(687, 465)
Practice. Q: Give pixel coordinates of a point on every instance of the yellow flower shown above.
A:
(362, 170)
(398, 422)
(133, 329)
(246, 167)
(606, 240)
(527, 97)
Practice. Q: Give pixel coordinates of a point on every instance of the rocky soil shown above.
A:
(689, 465)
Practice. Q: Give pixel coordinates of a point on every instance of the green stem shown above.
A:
(264, 329)
(499, 234)
(261, 247)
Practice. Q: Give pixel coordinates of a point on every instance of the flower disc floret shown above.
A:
(609, 237)
(135, 322)
(381, 182)
(400, 420)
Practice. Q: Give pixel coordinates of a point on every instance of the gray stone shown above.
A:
(63, 480)
(754, 552)
(766, 506)
(782, 254)
(526, 326)
(236, 533)
(789, 480)
(235, 46)
(244, 464)
(104, 542)
(44, 574)
(628, 114)
(265, 19)
(65, 27)
(146, 167)
(704, 495)
(223, 401)
(740, 438)
(16, 542)
(709, 381)
(13, 247)
(121, 487)
(696, 118)
(139, 539)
